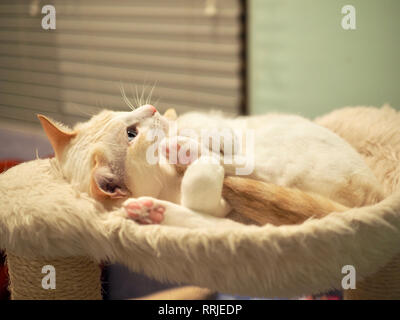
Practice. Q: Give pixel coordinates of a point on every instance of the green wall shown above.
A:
(301, 59)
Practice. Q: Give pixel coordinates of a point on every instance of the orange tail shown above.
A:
(264, 203)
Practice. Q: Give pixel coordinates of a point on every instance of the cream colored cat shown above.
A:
(107, 157)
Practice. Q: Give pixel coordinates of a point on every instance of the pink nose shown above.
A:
(152, 108)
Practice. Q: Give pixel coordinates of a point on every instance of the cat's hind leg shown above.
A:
(176, 215)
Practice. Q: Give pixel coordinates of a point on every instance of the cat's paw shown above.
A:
(144, 211)
(181, 151)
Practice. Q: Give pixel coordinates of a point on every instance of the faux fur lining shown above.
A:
(46, 216)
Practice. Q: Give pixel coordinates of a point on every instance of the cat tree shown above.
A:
(268, 261)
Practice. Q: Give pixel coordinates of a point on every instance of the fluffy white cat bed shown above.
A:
(42, 223)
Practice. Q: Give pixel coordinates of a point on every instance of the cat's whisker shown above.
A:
(142, 94)
(137, 100)
(156, 103)
(121, 90)
(125, 98)
(148, 100)
(133, 95)
(80, 110)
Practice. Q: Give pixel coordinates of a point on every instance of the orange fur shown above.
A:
(263, 203)
(59, 138)
(95, 190)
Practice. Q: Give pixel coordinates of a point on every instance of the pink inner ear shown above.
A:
(59, 138)
(105, 184)
(118, 193)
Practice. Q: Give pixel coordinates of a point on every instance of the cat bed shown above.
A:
(44, 221)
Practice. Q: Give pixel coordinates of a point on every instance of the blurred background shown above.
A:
(301, 59)
(241, 57)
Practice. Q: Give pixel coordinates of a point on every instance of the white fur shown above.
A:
(201, 187)
(292, 151)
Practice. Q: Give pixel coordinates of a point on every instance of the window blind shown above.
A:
(186, 53)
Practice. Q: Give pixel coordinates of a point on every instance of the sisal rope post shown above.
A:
(76, 278)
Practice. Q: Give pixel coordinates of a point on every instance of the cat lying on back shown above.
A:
(106, 157)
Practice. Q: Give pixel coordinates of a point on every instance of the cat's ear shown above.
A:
(104, 184)
(59, 138)
(170, 114)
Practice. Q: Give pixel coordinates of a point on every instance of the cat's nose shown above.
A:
(152, 109)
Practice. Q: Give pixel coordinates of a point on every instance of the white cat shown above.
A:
(107, 157)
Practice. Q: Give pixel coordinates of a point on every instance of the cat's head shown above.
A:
(106, 156)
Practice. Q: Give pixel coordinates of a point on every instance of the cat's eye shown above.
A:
(131, 133)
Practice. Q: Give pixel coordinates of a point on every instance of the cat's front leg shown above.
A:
(201, 187)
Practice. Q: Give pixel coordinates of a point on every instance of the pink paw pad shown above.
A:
(180, 152)
(145, 211)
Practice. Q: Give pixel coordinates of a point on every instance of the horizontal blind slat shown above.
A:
(120, 58)
(28, 115)
(156, 4)
(113, 87)
(112, 10)
(227, 51)
(119, 74)
(77, 25)
(107, 100)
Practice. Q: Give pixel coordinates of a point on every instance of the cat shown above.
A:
(105, 157)
(300, 170)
